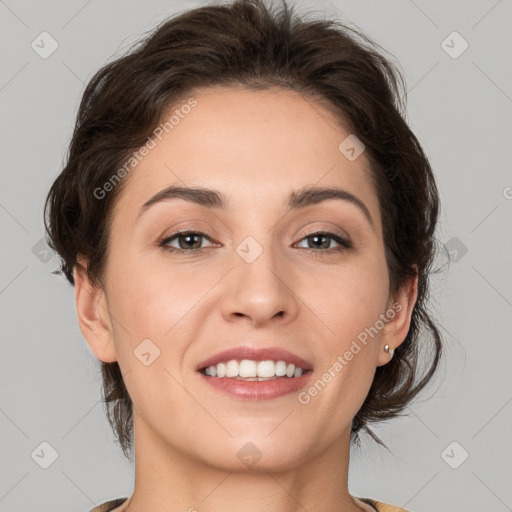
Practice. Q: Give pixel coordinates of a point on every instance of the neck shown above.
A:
(168, 479)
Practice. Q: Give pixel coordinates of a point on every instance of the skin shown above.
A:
(255, 147)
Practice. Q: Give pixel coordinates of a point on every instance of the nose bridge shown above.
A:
(258, 284)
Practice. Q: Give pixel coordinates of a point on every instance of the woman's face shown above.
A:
(262, 279)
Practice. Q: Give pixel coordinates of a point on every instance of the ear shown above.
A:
(396, 329)
(93, 315)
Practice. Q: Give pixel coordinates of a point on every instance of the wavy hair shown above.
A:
(245, 43)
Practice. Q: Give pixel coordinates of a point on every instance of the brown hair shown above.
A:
(245, 44)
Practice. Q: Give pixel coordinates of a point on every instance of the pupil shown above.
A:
(317, 237)
(188, 239)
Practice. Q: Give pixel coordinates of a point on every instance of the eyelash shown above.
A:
(344, 244)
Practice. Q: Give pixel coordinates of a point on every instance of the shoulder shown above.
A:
(109, 505)
(384, 507)
(379, 506)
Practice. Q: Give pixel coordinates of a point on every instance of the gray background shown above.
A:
(460, 108)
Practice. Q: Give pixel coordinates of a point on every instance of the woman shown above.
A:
(248, 222)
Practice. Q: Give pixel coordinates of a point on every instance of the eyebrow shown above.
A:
(297, 199)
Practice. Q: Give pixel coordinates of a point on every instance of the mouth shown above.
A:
(258, 374)
(282, 360)
(255, 371)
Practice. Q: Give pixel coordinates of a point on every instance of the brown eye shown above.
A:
(188, 241)
(323, 241)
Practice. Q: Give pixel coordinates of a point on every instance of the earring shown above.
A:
(389, 350)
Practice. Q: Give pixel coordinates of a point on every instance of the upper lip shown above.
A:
(256, 354)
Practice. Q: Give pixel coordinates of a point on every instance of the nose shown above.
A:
(260, 291)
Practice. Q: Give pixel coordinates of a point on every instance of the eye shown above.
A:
(188, 241)
(322, 240)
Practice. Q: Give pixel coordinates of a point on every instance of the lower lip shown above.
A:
(258, 390)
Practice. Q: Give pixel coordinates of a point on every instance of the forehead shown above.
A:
(254, 146)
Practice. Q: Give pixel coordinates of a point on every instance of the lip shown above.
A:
(256, 354)
(257, 390)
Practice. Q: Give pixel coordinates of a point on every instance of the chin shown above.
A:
(255, 454)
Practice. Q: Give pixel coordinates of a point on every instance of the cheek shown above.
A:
(349, 349)
(350, 297)
(165, 306)
(349, 304)
(153, 297)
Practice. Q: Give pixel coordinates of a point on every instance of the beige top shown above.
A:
(377, 505)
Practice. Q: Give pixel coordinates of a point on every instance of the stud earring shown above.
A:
(389, 350)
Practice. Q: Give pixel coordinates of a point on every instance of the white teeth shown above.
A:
(231, 369)
(253, 370)
(248, 368)
(280, 368)
(221, 370)
(266, 369)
